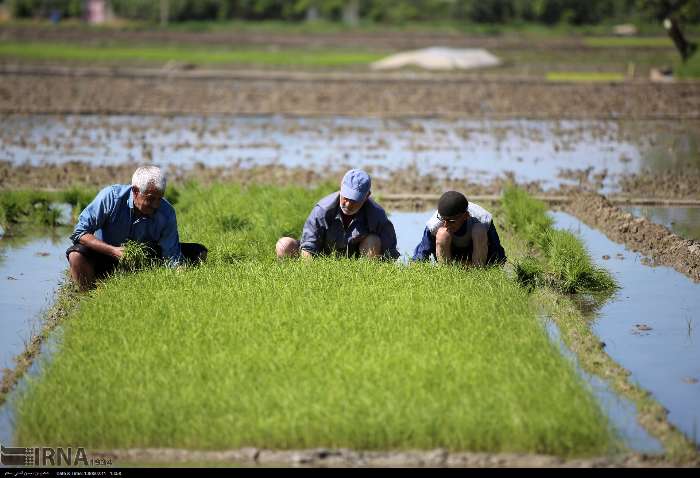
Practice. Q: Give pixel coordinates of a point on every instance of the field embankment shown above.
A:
(105, 92)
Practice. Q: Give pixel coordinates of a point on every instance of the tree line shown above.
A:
(548, 12)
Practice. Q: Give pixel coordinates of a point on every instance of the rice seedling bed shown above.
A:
(248, 351)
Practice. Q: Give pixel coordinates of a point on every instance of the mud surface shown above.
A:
(409, 155)
(351, 458)
(407, 184)
(475, 98)
(638, 234)
(684, 221)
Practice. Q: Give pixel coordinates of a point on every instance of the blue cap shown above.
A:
(356, 185)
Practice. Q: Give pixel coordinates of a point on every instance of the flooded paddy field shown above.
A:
(31, 269)
(604, 156)
(650, 326)
(409, 227)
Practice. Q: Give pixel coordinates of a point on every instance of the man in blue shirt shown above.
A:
(119, 213)
(346, 222)
(460, 231)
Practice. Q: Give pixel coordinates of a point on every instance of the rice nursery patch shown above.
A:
(563, 262)
(246, 350)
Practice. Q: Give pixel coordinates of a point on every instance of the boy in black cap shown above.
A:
(460, 231)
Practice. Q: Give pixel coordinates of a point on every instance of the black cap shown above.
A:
(452, 203)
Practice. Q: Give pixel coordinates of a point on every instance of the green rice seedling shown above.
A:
(136, 256)
(527, 215)
(571, 267)
(584, 76)
(564, 264)
(78, 198)
(324, 57)
(529, 272)
(295, 354)
(172, 194)
(29, 206)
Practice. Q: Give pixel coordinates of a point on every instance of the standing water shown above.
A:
(650, 327)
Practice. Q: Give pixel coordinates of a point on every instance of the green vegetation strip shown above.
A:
(689, 69)
(627, 42)
(584, 77)
(249, 351)
(195, 55)
(39, 207)
(563, 263)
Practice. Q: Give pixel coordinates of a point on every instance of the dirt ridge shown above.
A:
(342, 457)
(29, 93)
(639, 234)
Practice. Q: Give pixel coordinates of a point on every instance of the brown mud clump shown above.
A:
(639, 234)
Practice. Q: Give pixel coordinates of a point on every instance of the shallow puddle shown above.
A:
(31, 269)
(621, 412)
(684, 221)
(471, 149)
(650, 327)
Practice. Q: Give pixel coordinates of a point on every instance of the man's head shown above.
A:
(354, 191)
(452, 210)
(148, 186)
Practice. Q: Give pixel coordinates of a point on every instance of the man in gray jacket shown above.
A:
(347, 223)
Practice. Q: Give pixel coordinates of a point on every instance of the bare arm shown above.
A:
(480, 245)
(91, 242)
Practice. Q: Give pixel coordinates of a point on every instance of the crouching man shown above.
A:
(460, 231)
(346, 222)
(124, 212)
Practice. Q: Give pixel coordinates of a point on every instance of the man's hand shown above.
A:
(118, 252)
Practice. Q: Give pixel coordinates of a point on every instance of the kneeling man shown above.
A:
(460, 231)
(346, 222)
(124, 212)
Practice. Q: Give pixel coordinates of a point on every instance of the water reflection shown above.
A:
(650, 328)
(31, 269)
(474, 149)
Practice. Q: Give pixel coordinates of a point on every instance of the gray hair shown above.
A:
(149, 175)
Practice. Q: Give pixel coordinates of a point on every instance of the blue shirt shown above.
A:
(324, 231)
(111, 218)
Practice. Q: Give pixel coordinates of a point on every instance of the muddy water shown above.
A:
(30, 272)
(684, 221)
(651, 327)
(474, 149)
(621, 412)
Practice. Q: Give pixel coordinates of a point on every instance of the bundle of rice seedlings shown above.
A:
(137, 256)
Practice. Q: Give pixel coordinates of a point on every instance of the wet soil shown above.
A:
(407, 184)
(648, 326)
(639, 234)
(257, 95)
(407, 180)
(353, 458)
(684, 221)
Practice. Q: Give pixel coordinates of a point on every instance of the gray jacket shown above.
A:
(324, 232)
